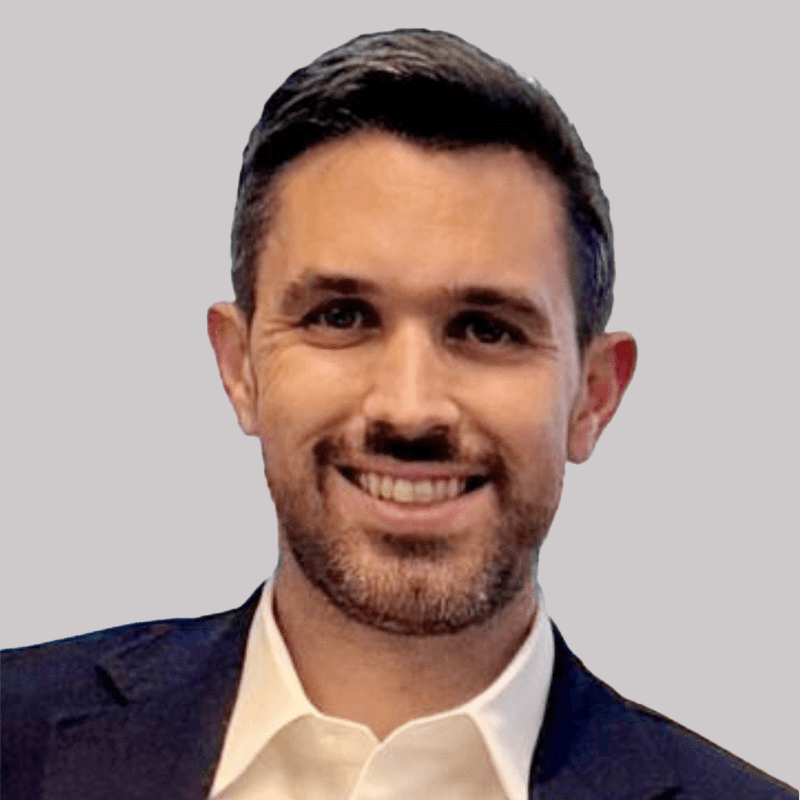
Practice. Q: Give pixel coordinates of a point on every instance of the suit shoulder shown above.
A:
(108, 675)
(52, 672)
(612, 742)
(703, 766)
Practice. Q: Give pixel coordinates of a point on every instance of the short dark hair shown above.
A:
(439, 91)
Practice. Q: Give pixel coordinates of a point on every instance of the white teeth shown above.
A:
(402, 490)
(423, 492)
(374, 484)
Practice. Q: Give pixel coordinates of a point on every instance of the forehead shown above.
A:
(411, 218)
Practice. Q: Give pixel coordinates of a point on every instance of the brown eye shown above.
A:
(484, 329)
(342, 315)
(338, 317)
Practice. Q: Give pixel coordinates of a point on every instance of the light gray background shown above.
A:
(129, 492)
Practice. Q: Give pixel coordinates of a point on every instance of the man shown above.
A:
(423, 271)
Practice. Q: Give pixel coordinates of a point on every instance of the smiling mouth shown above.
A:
(420, 492)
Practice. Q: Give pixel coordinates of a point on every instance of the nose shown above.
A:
(411, 388)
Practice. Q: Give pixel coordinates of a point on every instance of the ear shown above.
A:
(228, 332)
(608, 366)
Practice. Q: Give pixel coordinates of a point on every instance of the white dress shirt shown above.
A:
(279, 746)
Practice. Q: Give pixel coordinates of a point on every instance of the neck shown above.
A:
(357, 672)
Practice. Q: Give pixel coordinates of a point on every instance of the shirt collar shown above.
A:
(508, 713)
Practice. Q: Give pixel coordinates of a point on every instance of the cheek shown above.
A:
(530, 420)
(302, 391)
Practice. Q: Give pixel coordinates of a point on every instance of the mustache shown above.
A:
(438, 444)
(434, 445)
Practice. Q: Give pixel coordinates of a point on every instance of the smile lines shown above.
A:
(403, 490)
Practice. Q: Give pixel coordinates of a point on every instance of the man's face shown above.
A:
(413, 376)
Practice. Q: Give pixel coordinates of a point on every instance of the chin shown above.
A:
(414, 584)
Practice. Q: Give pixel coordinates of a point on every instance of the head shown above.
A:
(422, 269)
(440, 92)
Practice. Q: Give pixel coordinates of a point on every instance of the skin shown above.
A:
(392, 611)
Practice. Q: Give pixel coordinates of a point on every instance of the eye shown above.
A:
(342, 314)
(484, 329)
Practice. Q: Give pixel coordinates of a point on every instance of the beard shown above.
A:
(412, 584)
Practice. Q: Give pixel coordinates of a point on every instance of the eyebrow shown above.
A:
(300, 292)
(489, 297)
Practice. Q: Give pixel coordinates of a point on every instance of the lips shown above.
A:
(424, 491)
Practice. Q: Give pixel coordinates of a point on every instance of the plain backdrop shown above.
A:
(129, 492)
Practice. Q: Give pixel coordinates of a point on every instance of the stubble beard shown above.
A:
(414, 586)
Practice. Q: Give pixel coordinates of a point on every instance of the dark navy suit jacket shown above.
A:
(140, 712)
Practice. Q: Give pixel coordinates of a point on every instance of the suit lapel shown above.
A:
(159, 735)
(592, 744)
